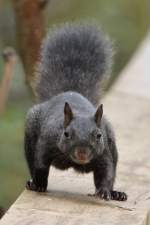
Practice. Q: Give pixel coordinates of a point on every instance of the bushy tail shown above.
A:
(74, 57)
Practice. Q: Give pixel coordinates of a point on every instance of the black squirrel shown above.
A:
(65, 129)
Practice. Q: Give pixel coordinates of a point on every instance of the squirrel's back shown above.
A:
(74, 57)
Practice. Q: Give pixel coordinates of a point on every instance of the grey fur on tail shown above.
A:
(74, 57)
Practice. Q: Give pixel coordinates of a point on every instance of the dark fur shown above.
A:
(74, 57)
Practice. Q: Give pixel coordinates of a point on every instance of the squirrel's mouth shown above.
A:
(81, 155)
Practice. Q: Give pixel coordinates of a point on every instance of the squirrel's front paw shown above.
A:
(118, 196)
(103, 193)
(33, 187)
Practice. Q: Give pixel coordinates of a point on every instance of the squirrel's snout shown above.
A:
(82, 155)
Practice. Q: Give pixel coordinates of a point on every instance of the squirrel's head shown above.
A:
(82, 138)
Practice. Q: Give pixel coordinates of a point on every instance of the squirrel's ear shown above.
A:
(98, 115)
(68, 114)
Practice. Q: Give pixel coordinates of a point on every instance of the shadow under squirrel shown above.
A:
(67, 129)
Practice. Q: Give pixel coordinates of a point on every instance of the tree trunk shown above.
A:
(30, 29)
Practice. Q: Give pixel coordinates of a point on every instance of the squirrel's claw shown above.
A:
(103, 193)
(32, 187)
(118, 196)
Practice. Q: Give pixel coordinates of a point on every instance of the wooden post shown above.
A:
(30, 29)
(9, 63)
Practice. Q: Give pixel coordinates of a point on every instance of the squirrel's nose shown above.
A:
(81, 156)
(81, 150)
(82, 153)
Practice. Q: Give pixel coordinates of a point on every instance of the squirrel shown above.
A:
(65, 128)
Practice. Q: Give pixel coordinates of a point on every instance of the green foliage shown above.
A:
(12, 164)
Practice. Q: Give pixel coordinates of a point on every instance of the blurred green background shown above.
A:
(126, 22)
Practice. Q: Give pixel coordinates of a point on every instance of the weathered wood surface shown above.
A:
(66, 203)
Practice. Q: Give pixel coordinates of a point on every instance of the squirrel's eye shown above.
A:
(66, 134)
(98, 136)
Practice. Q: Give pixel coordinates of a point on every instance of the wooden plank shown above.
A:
(66, 202)
(136, 76)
